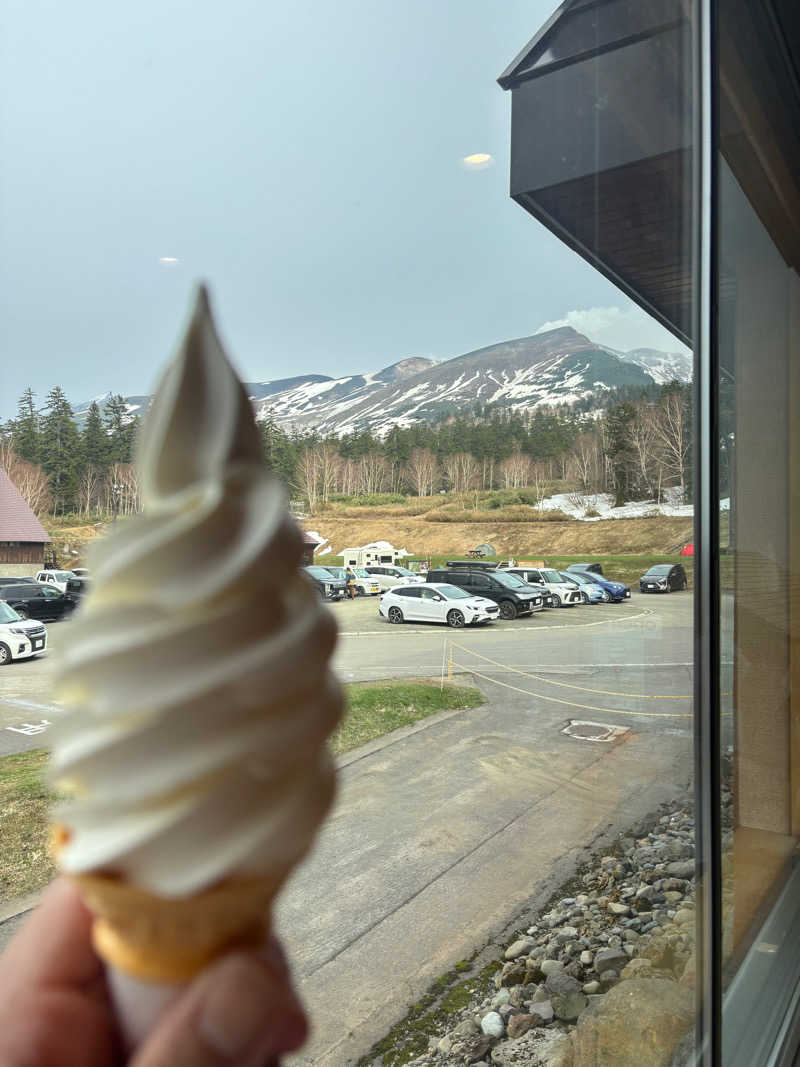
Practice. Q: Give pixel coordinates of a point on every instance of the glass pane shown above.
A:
(598, 27)
(439, 371)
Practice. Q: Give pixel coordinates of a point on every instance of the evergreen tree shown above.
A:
(121, 430)
(60, 450)
(26, 431)
(96, 444)
(619, 449)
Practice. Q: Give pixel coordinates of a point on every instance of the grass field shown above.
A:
(373, 709)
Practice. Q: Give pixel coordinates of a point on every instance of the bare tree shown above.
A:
(307, 478)
(423, 471)
(673, 434)
(461, 471)
(30, 480)
(373, 473)
(516, 470)
(328, 464)
(90, 487)
(643, 438)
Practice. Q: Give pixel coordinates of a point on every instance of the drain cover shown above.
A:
(593, 731)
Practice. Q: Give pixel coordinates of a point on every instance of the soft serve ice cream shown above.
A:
(197, 674)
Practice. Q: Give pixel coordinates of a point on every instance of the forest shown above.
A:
(633, 446)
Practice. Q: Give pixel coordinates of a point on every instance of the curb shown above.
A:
(12, 908)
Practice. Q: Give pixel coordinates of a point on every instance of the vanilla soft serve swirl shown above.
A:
(197, 672)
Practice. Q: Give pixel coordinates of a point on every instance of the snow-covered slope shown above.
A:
(663, 367)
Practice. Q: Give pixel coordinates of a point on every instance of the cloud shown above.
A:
(619, 328)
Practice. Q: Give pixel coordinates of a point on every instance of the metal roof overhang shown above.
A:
(601, 137)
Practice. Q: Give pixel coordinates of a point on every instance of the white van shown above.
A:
(19, 638)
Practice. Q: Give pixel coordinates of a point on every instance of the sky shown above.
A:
(307, 160)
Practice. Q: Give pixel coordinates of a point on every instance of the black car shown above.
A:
(663, 578)
(583, 568)
(510, 593)
(328, 587)
(31, 600)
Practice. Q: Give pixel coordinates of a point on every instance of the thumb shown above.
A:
(241, 1011)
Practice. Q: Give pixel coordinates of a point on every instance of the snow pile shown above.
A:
(386, 546)
(577, 504)
(320, 549)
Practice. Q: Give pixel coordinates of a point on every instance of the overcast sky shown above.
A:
(304, 158)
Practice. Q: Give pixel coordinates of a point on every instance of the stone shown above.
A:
(518, 948)
(534, 1047)
(568, 1007)
(681, 869)
(520, 1024)
(684, 916)
(492, 1024)
(548, 967)
(673, 896)
(543, 1011)
(502, 997)
(638, 1022)
(610, 959)
(466, 1028)
(513, 973)
(590, 988)
(445, 1045)
(562, 984)
(540, 996)
(477, 1048)
(586, 958)
(618, 909)
(638, 968)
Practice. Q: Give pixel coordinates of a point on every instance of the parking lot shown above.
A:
(571, 659)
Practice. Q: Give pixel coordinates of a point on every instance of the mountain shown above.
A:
(663, 367)
(557, 367)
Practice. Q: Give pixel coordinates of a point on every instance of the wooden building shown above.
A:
(23, 539)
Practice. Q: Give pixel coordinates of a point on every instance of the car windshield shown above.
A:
(362, 572)
(7, 614)
(579, 579)
(337, 572)
(662, 568)
(552, 576)
(510, 580)
(64, 576)
(405, 573)
(452, 592)
(320, 572)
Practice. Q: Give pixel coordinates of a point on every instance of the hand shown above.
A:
(55, 1009)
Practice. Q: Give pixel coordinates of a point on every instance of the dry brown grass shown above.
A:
(524, 540)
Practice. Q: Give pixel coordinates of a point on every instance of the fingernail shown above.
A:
(237, 1007)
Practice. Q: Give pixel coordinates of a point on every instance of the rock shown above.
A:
(520, 1024)
(467, 1028)
(502, 997)
(548, 967)
(610, 959)
(566, 933)
(618, 909)
(540, 996)
(534, 1047)
(689, 975)
(638, 968)
(638, 1022)
(477, 1048)
(681, 869)
(513, 973)
(445, 1045)
(492, 1024)
(518, 948)
(684, 916)
(590, 988)
(562, 984)
(544, 1011)
(673, 896)
(568, 1007)
(586, 958)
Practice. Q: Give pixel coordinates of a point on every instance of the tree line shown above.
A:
(634, 447)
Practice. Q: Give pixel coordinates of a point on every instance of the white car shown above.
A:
(563, 594)
(55, 579)
(389, 576)
(436, 602)
(19, 638)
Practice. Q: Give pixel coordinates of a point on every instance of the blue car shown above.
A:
(592, 593)
(617, 592)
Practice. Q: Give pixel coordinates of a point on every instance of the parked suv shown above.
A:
(617, 591)
(593, 568)
(562, 594)
(324, 582)
(663, 578)
(31, 600)
(366, 584)
(509, 592)
(19, 638)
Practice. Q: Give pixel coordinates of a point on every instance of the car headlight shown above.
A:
(327, 588)
(20, 631)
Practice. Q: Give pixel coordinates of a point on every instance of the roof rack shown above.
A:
(475, 564)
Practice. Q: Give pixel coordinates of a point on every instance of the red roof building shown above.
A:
(22, 536)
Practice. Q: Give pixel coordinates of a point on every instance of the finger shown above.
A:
(55, 1028)
(54, 945)
(241, 1011)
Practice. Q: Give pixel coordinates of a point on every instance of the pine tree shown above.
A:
(60, 450)
(26, 432)
(120, 429)
(96, 443)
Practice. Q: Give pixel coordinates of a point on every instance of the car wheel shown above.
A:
(668, 589)
(5, 655)
(556, 600)
(21, 612)
(455, 619)
(507, 610)
(606, 597)
(395, 615)
(584, 598)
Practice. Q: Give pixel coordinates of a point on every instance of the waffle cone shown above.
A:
(156, 939)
